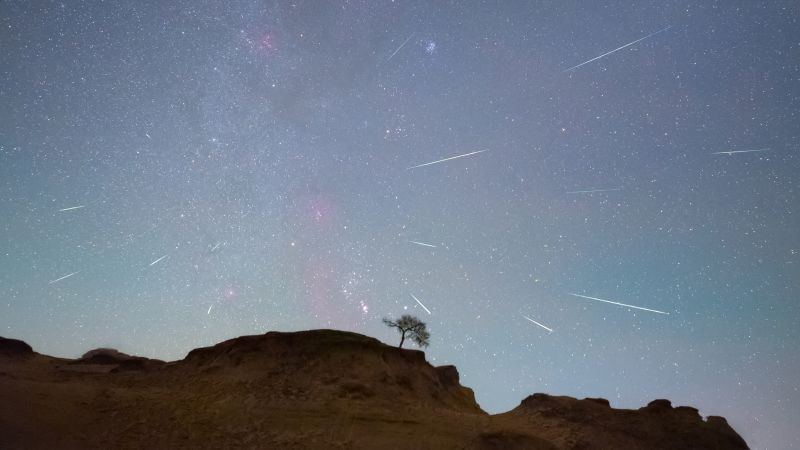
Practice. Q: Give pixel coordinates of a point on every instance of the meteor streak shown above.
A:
(159, 259)
(537, 323)
(616, 303)
(447, 159)
(617, 49)
(420, 303)
(209, 309)
(71, 208)
(594, 190)
(731, 152)
(423, 244)
(400, 48)
(63, 278)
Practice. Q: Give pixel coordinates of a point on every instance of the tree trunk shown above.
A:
(402, 338)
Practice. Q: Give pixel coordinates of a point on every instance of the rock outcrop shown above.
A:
(328, 365)
(591, 423)
(14, 348)
(117, 360)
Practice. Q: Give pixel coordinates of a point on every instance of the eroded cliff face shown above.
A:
(328, 366)
(312, 389)
(591, 423)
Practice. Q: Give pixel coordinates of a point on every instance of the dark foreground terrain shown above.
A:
(319, 389)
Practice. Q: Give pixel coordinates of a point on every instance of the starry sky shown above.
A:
(173, 174)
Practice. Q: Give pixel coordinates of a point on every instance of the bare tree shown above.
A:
(411, 326)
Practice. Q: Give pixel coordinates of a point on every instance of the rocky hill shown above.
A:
(306, 390)
(14, 348)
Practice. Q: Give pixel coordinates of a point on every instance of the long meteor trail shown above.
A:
(732, 152)
(590, 191)
(63, 278)
(71, 208)
(400, 48)
(158, 260)
(446, 159)
(537, 323)
(420, 303)
(616, 303)
(617, 49)
(423, 244)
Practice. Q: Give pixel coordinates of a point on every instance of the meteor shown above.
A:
(423, 244)
(732, 152)
(594, 190)
(400, 48)
(71, 208)
(537, 323)
(63, 278)
(446, 159)
(209, 309)
(617, 49)
(616, 303)
(420, 303)
(158, 260)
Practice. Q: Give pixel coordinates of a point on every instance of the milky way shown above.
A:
(173, 174)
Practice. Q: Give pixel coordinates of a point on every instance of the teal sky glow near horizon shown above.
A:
(174, 174)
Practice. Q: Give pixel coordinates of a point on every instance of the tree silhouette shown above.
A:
(413, 327)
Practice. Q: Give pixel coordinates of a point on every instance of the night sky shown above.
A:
(173, 174)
